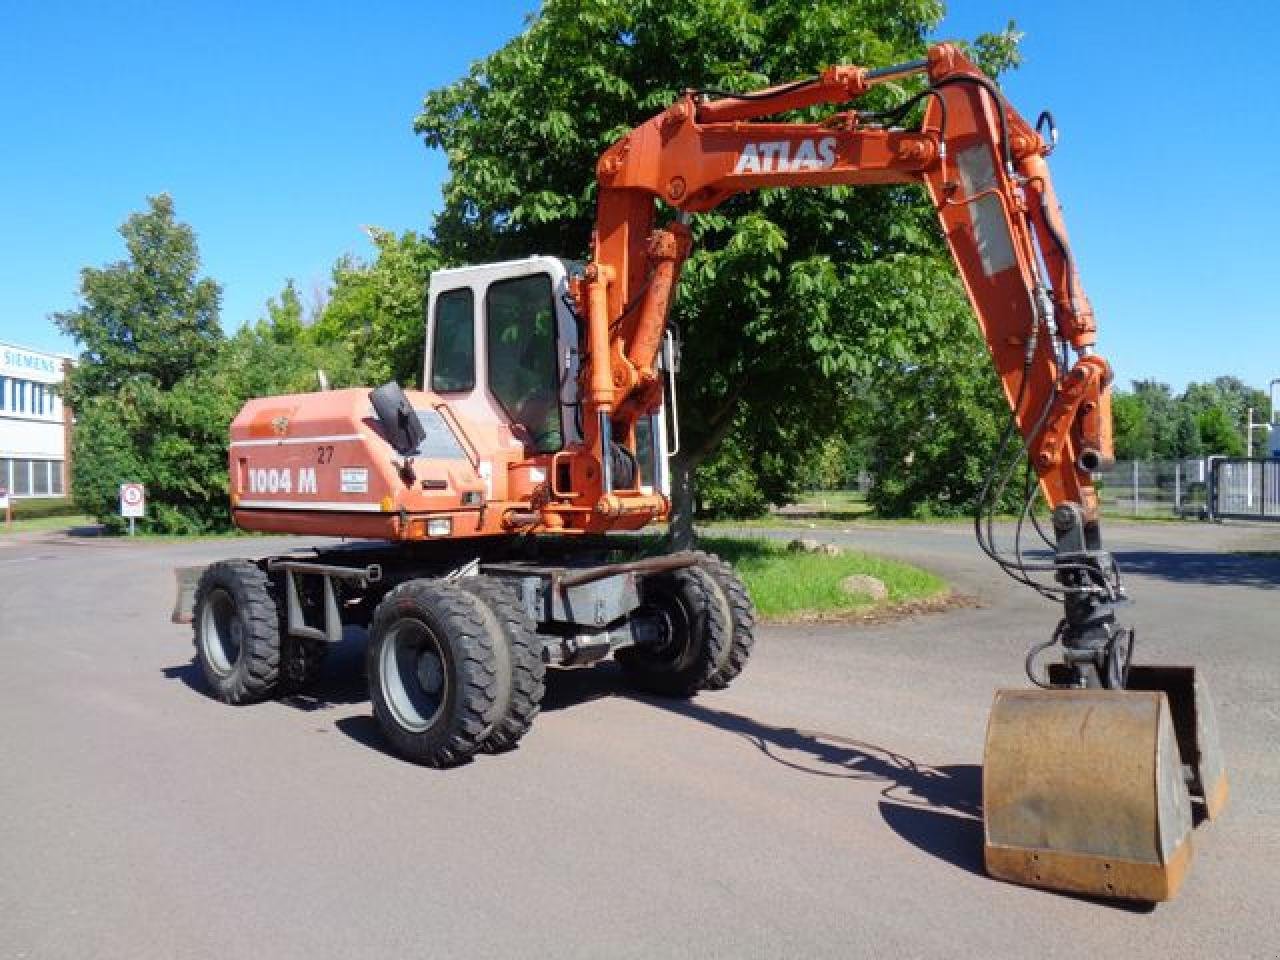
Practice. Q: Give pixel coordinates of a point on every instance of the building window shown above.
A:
(55, 478)
(39, 478)
(21, 478)
(6, 474)
(20, 396)
(4, 393)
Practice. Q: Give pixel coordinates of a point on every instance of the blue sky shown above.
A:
(281, 128)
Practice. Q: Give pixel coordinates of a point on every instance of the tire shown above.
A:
(697, 634)
(741, 613)
(438, 675)
(528, 671)
(237, 632)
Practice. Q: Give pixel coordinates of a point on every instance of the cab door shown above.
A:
(502, 348)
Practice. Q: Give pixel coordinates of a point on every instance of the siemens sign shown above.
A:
(19, 361)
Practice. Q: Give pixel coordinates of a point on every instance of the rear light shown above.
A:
(439, 526)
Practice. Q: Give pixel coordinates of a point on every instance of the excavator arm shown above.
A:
(983, 167)
(1099, 812)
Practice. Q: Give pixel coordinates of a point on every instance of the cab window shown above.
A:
(520, 328)
(453, 342)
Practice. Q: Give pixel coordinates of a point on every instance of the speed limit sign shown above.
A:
(133, 500)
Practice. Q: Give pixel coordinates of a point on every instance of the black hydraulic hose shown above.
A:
(1063, 249)
(894, 114)
(1006, 148)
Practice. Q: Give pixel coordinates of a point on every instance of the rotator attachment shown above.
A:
(1088, 783)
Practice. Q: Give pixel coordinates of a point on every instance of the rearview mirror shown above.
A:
(404, 430)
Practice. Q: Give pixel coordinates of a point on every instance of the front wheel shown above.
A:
(435, 680)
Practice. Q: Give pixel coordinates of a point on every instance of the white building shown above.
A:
(34, 438)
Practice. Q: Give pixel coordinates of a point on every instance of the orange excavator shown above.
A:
(477, 504)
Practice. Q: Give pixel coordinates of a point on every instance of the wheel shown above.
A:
(741, 613)
(439, 676)
(692, 634)
(237, 632)
(528, 671)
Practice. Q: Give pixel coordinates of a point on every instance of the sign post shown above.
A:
(133, 502)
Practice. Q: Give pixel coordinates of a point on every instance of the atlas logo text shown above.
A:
(786, 156)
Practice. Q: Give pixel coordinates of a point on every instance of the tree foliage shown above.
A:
(1152, 422)
(790, 296)
(376, 309)
(139, 417)
(145, 319)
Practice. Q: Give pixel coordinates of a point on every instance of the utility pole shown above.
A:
(1249, 448)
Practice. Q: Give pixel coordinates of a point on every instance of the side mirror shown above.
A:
(404, 430)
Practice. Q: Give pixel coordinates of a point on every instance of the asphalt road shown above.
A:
(826, 805)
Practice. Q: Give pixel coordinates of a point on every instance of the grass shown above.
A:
(794, 586)
(44, 524)
(841, 509)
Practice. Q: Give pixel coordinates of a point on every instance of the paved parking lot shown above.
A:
(826, 805)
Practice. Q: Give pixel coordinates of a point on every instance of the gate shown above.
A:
(1245, 489)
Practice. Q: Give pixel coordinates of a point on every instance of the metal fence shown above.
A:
(1245, 489)
(1155, 488)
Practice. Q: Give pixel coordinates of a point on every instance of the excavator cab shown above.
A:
(504, 346)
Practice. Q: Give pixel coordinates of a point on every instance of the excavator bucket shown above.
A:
(1195, 726)
(1084, 791)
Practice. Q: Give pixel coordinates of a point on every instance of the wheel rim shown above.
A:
(221, 632)
(414, 677)
(674, 624)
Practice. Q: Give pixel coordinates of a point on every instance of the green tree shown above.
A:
(137, 418)
(1234, 397)
(1160, 410)
(1218, 435)
(936, 417)
(1133, 437)
(146, 319)
(284, 317)
(1187, 442)
(376, 309)
(789, 295)
(102, 457)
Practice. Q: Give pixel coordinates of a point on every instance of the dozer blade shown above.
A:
(1083, 791)
(1196, 728)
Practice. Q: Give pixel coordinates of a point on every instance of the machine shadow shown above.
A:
(1214, 569)
(937, 809)
(341, 682)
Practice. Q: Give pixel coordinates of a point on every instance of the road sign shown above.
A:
(133, 500)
